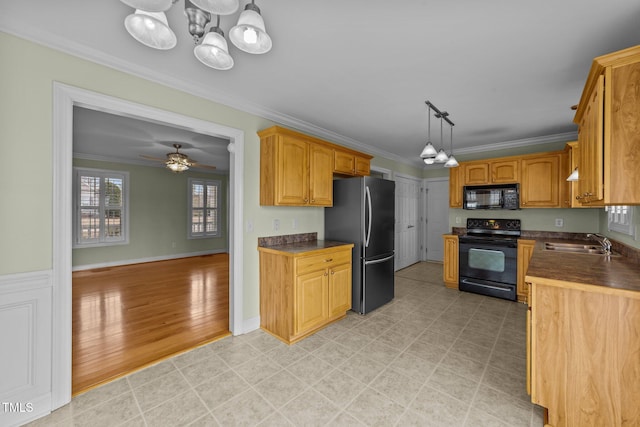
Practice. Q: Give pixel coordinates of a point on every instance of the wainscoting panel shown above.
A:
(25, 351)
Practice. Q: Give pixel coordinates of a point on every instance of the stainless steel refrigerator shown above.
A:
(363, 213)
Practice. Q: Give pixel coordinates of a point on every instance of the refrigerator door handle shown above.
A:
(368, 199)
(378, 261)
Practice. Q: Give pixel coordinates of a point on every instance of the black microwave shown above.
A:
(503, 196)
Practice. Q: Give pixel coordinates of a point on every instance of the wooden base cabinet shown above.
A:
(303, 292)
(451, 255)
(525, 251)
(584, 354)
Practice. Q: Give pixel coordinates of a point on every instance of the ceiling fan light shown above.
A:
(428, 151)
(177, 167)
(149, 5)
(451, 163)
(214, 51)
(441, 157)
(249, 35)
(218, 7)
(151, 29)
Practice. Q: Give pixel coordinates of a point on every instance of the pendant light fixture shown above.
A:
(250, 34)
(429, 154)
(451, 162)
(214, 51)
(441, 157)
(148, 25)
(428, 150)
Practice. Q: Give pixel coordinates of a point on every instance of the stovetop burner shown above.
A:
(494, 229)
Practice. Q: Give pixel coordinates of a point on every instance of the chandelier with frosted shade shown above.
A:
(148, 25)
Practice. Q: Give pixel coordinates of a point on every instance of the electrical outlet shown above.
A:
(458, 220)
(559, 222)
(276, 224)
(249, 226)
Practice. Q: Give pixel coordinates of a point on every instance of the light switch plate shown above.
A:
(559, 222)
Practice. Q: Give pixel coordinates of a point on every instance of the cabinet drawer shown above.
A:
(319, 262)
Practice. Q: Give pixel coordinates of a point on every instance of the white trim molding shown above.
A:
(65, 97)
(25, 327)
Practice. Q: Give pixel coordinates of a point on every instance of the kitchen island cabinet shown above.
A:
(583, 339)
(303, 287)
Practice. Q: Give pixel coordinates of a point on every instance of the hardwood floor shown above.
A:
(125, 318)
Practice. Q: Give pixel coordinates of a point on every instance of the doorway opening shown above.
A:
(65, 98)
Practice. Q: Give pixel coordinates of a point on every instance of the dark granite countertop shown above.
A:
(615, 272)
(308, 246)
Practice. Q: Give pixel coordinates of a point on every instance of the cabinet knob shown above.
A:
(333, 272)
(328, 260)
(325, 273)
(306, 200)
(313, 200)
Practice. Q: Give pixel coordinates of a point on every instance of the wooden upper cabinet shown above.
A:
(349, 163)
(607, 117)
(498, 171)
(505, 171)
(455, 187)
(297, 170)
(320, 176)
(540, 186)
(476, 173)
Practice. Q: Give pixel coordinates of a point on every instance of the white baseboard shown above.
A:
(249, 325)
(143, 260)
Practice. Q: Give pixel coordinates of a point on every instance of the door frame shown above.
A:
(421, 213)
(425, 204)
(65, 97)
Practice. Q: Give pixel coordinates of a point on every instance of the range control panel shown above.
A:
(487, 225)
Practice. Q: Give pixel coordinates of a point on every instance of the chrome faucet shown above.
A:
(603, 240)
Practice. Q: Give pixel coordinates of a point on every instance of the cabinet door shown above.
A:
(622, 135)
(455, 187)
(311, 300)
(525, 251)
(292, 168)
(450, 270)
(506, 171)
(540, 182)
(590, 140)
(476, 173)
(339, 290)
(344, 163)
(363, 166)
(320, 176)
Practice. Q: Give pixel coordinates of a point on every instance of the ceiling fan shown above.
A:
(178, 162)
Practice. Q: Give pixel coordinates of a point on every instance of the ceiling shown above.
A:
(358, 72)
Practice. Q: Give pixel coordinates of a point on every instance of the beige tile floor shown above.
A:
(431, 357)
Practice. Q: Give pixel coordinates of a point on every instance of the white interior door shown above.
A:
(407, 221)
(437, 216)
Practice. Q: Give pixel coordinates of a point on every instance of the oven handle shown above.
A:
(496, 287)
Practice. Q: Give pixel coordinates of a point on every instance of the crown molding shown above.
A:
(53, 41)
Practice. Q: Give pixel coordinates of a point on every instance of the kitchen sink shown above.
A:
(581, 248)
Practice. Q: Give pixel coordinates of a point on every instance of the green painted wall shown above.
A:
(158, 201)
(26, 133)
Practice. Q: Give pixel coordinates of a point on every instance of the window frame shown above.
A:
(205, 182)
(103, 240)
(620, 219)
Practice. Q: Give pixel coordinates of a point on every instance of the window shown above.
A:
(101, 207)
(204, 199)
(620, 219)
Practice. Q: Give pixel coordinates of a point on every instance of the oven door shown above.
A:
(489, 268)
